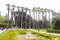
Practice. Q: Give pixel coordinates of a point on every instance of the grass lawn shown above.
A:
(11, 35)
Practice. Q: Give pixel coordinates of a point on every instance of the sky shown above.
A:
(49, 4)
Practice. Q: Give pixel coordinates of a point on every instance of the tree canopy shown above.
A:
(3, 21)
(56, 23)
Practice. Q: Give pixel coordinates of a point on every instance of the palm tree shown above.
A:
(22, 17)
(45, 16)
(18, 8)
(38, 9)
(29, 19)
(13, 7)
(34, 10)
(8, 5)
(52, 11)
(45, 12)
(49, 15)
(42, 11)
(26, 9)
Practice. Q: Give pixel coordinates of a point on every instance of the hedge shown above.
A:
(54, 31)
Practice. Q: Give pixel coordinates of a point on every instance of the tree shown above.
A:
(38, 9)
(13, 7)
(34, 10)
(42, 11)
(49, 14)
(22, 16)
(26, 9)
(45, 17)
(18, 11)
(18, 8)
(29, 19)
(8, 5)
(3, 21)
(52, 11)
(56, 23)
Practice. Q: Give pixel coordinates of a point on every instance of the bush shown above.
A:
(53, 31)
(3, 24)
(56, 23)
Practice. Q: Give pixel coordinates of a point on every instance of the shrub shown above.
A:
(56, 23)
(3, 24)
(53, 31)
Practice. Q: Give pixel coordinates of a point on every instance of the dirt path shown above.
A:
(26, 36)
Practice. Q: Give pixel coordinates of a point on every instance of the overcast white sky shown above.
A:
(49, 4)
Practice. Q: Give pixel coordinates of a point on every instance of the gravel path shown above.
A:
(26, 37)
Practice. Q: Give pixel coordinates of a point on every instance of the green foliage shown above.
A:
(42, 38)
(43, 30)
(56, 23)
(53, 31)
(11, 35)
(3, 21)
(21, 31)
(3, 24)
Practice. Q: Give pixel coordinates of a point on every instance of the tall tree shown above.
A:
(22, 17)
(8, 8)
(49, 11)
(26, 9)
(18, 8)
(38, 9)
(12, 14)
(45, 17)
(29, 19)
(42, 11)
(52, 11)
(34, 11)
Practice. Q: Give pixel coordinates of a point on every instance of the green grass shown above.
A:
(42, 38)
(11, 34)
(43, 30)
